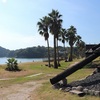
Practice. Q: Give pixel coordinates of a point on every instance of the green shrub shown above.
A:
(12, 65)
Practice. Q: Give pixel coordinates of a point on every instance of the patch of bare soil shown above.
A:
(20, 91)
(8, 74)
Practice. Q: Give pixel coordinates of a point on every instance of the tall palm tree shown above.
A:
(55, 25)
(43, 26)
(62, 38)
(71, 38)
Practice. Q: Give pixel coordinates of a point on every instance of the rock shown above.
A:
(56, 86)
(60, 89)
(67, 89)
(89, 85)
(97, 93)
(92, 92)
(92, 82)
(85, 91)
(79, 93)
(73, 88)
(79, 88)
(63, 82)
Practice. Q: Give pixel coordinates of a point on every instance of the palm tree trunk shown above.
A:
(64, 48)
(71, 51)
(48, 54)
(55, 60)
(65, 52)
(58, 54)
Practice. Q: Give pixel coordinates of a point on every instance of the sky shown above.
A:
(18, 21)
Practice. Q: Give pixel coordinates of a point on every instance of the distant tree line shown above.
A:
(38, 52)
(31, 52)
(4, 52)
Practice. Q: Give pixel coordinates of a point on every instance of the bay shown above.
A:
(3, 60)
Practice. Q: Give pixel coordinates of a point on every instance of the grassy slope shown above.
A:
(45, 92)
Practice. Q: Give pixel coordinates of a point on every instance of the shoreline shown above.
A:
(3, 60)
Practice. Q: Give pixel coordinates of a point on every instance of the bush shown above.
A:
(12, 65)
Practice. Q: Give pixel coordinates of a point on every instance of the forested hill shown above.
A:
(31, 52)
(4, 52)
(36, 52)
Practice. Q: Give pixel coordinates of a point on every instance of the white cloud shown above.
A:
(4, 1)
(14, 41)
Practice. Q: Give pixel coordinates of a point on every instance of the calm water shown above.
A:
(3, 60)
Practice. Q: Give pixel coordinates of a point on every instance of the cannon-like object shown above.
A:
(77, 66)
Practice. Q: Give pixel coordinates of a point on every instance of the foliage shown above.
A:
(81, 46)
(41, 52)
(12, 65)
(71, 38)
(43, 26)
(55, 26)
(30, 52)
(4, 52)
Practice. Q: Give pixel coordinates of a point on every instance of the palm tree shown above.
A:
(12, 65)
(43, 25)
(80, 45)
(78, 41)
(71, 38)
(58, 52)
(82, 48)
(63, 36)
(78, 38)
(55, 25)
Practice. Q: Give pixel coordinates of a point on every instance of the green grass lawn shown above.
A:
(46, 92)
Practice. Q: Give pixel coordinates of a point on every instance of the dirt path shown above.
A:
(19, 91)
